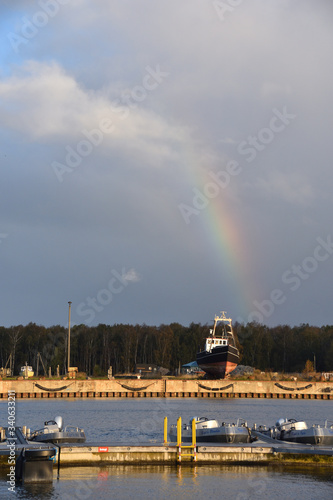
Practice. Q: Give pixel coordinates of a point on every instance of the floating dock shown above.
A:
(165, 388)
(120, 454)
(265, 451)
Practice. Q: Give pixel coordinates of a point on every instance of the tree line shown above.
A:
(94, 349)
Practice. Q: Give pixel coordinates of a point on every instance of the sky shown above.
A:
(165, 161)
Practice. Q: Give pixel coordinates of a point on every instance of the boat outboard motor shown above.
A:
(281, 421)
(58, 421)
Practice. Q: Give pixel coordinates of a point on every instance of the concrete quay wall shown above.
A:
(227, 388)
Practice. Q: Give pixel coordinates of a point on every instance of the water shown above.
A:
(135, 421)
(209, 482)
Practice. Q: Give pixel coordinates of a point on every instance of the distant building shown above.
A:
(192, 368)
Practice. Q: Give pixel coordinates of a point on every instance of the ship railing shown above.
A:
(190, 450)
(241, 422)
(44, 430)
(72, 428)
(53, 428)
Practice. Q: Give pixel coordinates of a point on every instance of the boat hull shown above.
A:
(292, 431)
(219, 362)
(315, 435)
(224, 434)
(61, 437)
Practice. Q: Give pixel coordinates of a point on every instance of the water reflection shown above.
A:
(183, 481)
(185, 473)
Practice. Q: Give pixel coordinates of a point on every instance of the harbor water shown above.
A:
(140, 421)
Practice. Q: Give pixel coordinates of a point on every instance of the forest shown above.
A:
(94, 349)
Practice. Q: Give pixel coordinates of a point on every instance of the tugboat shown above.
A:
(209, 431)
(220, 355)
(297, 431)
(53, 432)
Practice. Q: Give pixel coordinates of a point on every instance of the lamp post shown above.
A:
(69, 334)
(314, 362)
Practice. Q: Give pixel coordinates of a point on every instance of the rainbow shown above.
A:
(224, 233)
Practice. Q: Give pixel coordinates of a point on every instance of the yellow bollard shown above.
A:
(179, 438)
(194, 433)
(165, 430)
(194, 440)
(179, 431)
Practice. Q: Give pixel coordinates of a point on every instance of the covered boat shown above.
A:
(220, 355)
(209, 431)
(297, 431)
(53, 432)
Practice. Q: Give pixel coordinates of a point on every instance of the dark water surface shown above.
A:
(133, 421)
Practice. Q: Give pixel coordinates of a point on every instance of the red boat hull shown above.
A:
(218, 370)
(220, 362)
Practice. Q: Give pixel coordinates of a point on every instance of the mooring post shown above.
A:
(165, 430)
(179, 438)
(59, 451)
(194, 440)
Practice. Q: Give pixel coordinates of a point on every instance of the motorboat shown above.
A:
(210, 431)
(297, 431)
(220, 355)
(54, 432)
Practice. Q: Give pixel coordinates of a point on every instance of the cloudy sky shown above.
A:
(162, 161)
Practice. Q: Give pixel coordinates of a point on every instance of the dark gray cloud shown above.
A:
(164, 161)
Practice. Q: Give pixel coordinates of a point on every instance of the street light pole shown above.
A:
(69, 334)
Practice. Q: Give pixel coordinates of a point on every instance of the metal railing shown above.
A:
(190, 450)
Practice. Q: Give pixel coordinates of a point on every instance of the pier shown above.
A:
(165, 388)
(266, 451)
(31, 462)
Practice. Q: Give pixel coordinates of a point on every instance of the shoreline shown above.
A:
(164, 388)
